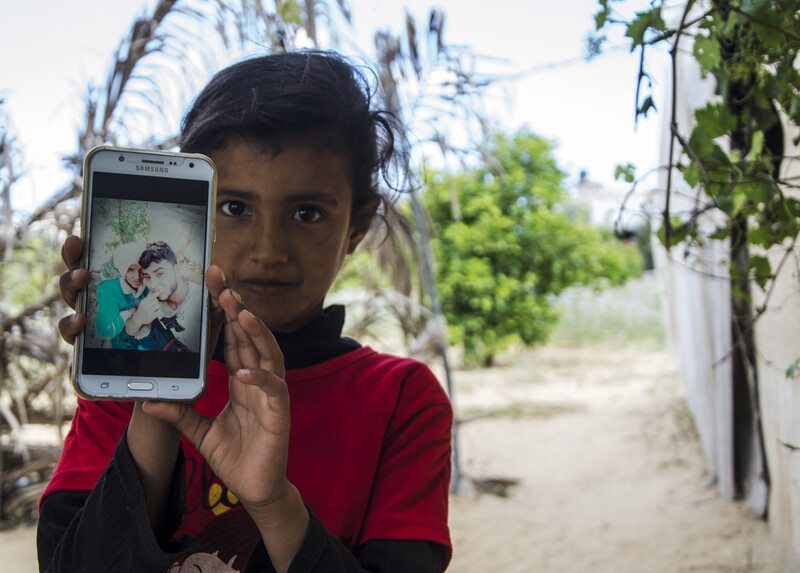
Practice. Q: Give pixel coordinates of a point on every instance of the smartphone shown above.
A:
(147, 223)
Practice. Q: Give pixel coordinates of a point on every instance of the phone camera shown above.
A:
(191, 164)
(121, 158)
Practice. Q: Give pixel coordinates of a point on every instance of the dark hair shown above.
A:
(155, 253)
(308, 95)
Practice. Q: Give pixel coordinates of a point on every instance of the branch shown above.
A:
(70, 191)
(45, 302)
(763, 24)
(673, 124)
(789, 251)
(142, 33)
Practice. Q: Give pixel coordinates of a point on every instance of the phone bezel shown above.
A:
(151, 384)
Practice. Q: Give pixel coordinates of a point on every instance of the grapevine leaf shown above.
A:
(756, 146)
(646, 106)
(643, 21)
(627, 172)
(707, 53)
(761, 269)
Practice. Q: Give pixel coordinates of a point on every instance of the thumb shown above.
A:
(184, 417)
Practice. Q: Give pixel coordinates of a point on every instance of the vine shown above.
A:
(735, 149)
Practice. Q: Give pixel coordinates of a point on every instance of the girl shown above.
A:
(361, 484)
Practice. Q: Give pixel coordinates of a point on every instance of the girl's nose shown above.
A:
(270, 245)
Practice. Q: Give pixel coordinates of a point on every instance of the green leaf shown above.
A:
(739, 201)
(627, 171)
(720, 233)
(602, 16)
(756, 146)
(643, 21)
(714, 120)
(692, 174)
(646, 106)
(766, 19)
(794, 369)
(678, 232)
(793, 206)
(759, 235)
(761, 269)
(707, 53)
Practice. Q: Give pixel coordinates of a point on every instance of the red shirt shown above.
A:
(369, 452)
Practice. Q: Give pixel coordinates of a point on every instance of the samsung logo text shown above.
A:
(151, 169)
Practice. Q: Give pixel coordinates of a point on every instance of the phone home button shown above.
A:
(140, 385)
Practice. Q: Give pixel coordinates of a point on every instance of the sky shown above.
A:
(52, 49)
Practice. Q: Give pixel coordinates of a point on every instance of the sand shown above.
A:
(608, 470)
(611, 475)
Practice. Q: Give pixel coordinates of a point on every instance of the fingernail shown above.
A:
(235, 295)
(74, 274)
(244, 372)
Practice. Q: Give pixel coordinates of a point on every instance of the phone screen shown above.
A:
(147, 251)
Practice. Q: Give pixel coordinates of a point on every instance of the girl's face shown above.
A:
(283, 228)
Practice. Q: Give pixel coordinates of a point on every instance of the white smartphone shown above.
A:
(147, 226)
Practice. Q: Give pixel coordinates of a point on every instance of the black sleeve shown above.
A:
(321, 552)
(108, 528)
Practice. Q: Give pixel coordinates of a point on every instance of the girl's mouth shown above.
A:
(266, 287)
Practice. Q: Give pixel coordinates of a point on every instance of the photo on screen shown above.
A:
(146, 260)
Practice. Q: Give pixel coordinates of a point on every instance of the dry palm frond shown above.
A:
(156, 69)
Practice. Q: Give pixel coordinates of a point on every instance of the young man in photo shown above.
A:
(171, 309)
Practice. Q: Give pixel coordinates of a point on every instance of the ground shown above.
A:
(608, 470)
(611, 475)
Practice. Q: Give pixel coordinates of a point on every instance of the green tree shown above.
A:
(512, 246)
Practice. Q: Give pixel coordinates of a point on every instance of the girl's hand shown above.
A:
(247, 444)
(70, 284)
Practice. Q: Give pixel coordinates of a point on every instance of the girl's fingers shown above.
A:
(71, 251)
(216, 281)
(235, 339)
(269, 353)
(70, 326)
(248, 342)
(70, 283)
(273, 387)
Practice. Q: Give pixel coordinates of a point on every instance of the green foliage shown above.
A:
(735, 150)
(626, 172)
(644, 22)
(794, 369)
(28, 272)
(514, 247)
(290, 12)
(126, 219)
(735, 146)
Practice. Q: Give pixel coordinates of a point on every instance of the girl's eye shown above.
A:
(234, 208)
(307, 215)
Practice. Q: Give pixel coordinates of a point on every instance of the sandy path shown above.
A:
(611, 478)
(611, 474)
